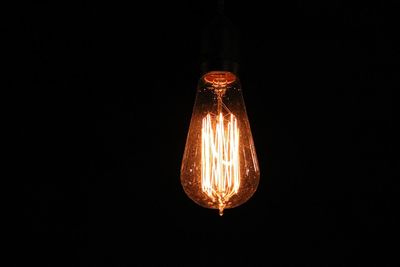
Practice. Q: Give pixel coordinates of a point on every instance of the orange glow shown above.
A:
(220, 175)
(219, 167)
(221, 78)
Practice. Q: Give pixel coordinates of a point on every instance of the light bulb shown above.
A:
(219, 168)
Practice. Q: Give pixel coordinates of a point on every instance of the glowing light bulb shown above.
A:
(219, 168)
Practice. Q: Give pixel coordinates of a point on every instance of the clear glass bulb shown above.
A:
(219, 168)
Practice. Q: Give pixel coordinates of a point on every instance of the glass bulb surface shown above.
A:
(219, 167)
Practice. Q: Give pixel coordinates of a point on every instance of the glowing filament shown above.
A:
(220, 176)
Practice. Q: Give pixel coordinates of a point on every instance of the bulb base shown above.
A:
(219, 65)
(220, 46)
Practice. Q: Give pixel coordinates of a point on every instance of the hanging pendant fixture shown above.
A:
(219, 167)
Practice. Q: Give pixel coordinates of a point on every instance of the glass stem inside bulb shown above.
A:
(221, 200)
(220, 153)
(219, 104)
(221, 207)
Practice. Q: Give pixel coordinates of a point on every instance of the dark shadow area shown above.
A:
(103, 99)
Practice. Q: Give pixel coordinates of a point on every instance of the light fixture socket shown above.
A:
(220, 46)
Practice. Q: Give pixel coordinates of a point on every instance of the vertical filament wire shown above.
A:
(220, 168)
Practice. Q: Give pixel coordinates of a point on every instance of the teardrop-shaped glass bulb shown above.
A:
(219, 168)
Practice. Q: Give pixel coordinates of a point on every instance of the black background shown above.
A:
(104, 94)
